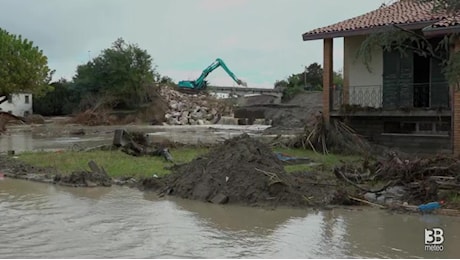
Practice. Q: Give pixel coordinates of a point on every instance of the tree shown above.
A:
(451, 7)
(337, 78)
(402, 40)
(61, 100)
(123, 72)
(165, 80)
(310, 79)
(23, 66)
(313, 76)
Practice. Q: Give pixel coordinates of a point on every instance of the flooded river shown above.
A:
(47, 221)
(52, 137)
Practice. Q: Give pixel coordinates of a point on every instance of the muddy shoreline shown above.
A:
(312, 190)
(296, 190)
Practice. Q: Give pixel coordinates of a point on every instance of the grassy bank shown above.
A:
(118, 164)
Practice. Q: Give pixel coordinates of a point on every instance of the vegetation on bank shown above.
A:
(119, 164)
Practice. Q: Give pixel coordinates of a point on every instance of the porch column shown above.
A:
(346, 76)
(327, 78)
(455, 102)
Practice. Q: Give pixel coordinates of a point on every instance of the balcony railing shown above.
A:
(416, 95)
(363, 96)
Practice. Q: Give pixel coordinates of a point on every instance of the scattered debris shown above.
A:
(288, 159)
(136, 144)
(334, 136)
(414, 181)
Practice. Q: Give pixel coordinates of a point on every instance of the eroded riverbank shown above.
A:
(239, 171)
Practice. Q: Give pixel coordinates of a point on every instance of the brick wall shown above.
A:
(372, 128)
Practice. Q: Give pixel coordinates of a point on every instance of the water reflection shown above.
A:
(89, 193)
(21, 142)
(239, 218)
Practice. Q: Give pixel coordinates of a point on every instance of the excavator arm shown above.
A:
(200, 82)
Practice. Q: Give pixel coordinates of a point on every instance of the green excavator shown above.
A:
(200, 83)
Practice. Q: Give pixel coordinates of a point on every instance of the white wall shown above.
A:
(18, 106)
(365, 85)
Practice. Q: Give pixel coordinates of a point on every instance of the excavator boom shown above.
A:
(200, 82)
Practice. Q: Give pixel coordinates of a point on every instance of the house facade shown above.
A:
(396, 100)
(19, 104)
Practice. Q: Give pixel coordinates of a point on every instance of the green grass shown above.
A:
(326, 162)
(118, 164)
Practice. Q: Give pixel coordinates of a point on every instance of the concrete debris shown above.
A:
(196, 109)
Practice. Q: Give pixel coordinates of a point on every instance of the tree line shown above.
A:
(120, 76)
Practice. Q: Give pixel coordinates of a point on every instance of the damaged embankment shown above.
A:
(245, 171)
(241, 170)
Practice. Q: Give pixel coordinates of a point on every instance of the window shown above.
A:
(26, 99)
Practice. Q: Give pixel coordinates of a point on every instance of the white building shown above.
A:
(18, 104)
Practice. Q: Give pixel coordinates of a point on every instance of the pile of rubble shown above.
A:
(193, 109)
(416, 180)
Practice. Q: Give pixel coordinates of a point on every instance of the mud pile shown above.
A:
(84, 179)
(241, 170)
(193, 109)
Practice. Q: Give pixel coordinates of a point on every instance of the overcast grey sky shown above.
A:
(260, 40)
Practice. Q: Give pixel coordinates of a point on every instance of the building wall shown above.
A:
(373, 129)
(365, 86)
(18, 105)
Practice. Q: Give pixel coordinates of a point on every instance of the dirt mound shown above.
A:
(84, 179)
(34, 119)
(241, 170)
(291, 117)
(91, 118)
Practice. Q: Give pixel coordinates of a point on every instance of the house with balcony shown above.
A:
(396, 100)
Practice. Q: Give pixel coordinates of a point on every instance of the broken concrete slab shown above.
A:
(220, 199)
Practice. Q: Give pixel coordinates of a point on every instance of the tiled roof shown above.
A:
(402, 12)
(451, 21)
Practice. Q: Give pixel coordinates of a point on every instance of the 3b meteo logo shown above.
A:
(433, 239)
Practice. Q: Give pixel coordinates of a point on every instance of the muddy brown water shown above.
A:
(46, 221)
